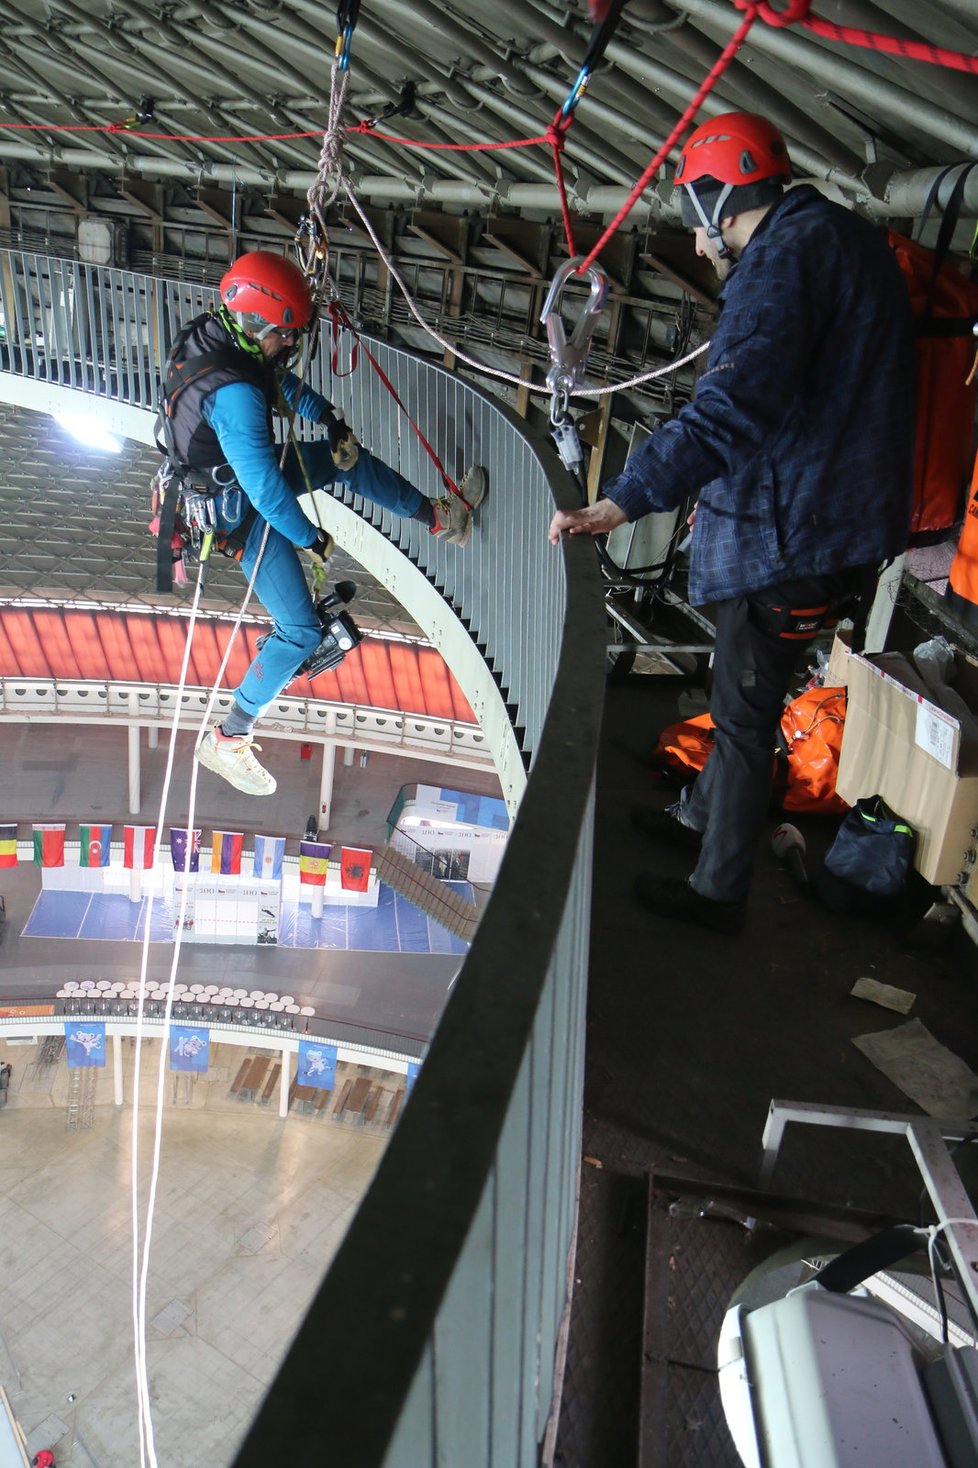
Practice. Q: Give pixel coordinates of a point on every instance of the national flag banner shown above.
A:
(94, 846)
(138, 848)
(355, 868)
(313, 857)
(84, 1044)
(49, 846)
(317, 1065)
(178, 849)
(8, 846)
(189, 1048)
(269, 852)
(226, 853)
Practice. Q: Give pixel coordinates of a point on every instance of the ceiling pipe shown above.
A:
(649, 108)
(839, 75)
(585, 148)
(753, 94)
(471, 42)
(905, 193)
(938, 83)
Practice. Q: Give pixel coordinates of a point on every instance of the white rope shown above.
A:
(448, 346)
(147, 1446)
(330, 178)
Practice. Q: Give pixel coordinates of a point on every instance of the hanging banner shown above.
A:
(226, 853)
(313, 857)
(317, 1065)
(138, 848)
(94, 845)
(49, 846)
(84, 1044)
(189, 1048)
(178, 849)
(8, 846)
(412, 1075)
(355, 868)
(269, 852)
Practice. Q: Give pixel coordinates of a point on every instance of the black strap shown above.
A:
(863, 1260)
(951, 215)
(164, 550)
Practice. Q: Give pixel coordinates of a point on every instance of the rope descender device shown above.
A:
(569, 358)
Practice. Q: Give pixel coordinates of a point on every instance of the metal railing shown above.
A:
(450, 1287)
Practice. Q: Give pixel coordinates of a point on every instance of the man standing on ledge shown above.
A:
(227, 373)
(799, 443)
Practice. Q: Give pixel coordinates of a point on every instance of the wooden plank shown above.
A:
(359, 1094)
(395, 1108)
(272, 1081)
(373, 1101)
(239, 1078)
(343, 1096)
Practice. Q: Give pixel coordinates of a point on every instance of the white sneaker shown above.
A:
(231, 758)
(453, 513)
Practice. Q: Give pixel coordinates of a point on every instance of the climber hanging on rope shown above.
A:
(226, 374)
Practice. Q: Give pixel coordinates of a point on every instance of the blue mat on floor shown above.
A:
(393, 926)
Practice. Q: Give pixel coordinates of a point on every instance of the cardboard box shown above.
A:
(837, 672)
(899, 745)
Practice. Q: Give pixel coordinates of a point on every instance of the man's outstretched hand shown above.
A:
(597, 519)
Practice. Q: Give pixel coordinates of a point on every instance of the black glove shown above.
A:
(337, 429)
(321, 548)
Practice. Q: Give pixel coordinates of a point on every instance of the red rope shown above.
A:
(367, 127)
(555, 137)
(340, 317)
(716, 72)
(892, 45)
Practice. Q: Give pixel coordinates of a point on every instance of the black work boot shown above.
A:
(673, 897)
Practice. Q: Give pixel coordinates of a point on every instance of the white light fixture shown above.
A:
(87, 429)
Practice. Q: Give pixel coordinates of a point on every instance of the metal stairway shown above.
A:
(432, 896)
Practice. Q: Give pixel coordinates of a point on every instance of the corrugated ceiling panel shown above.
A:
(29, 656)
(87, 645)
(114, 634)
(407, 678)
(377, 671)
(434, 678)
(54, 639)
(42, 643)
(349, 675)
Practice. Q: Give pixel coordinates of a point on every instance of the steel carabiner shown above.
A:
(569, 358)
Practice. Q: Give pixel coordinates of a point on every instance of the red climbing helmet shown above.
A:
(734, 148)
(264, 291)
(732, 163)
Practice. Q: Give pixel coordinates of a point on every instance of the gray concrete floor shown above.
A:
(250, 1208)
(249, 1212)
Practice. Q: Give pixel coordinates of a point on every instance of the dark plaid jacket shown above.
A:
(799, 441)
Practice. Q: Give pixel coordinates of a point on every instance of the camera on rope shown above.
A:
(340, 633)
